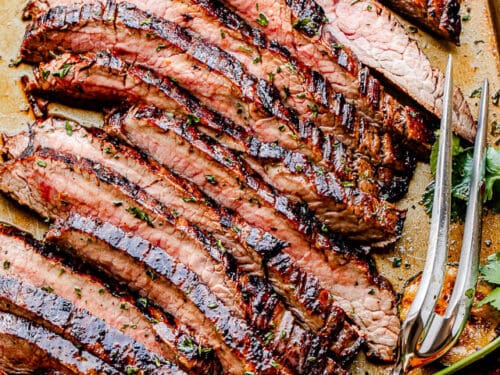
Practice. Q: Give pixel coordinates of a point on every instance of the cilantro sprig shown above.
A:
(461, 175)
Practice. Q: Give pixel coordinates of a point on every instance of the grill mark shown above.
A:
(160, 215)
(352, 137)
(358, 207)
(266, 210)
(102, 298)
(307, 297)
(404, 122)
(27, 346)
(82, 81)
(80, 327)
(438, 16)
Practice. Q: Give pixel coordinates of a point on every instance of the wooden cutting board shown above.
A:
(475, 59)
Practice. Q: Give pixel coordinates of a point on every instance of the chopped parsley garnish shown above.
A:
(69, 128)
(6, 265)
(78, 292)
(212, 305)
(139, 214)
(211, 179)
(47, 289)
(15, 62)
(262, 20)
(187, 345)
(41, 163)
(62, 73)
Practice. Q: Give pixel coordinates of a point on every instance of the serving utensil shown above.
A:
(426, 335)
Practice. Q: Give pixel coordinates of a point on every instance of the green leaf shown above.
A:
(492, 172)
(493, 298)
(491, 271)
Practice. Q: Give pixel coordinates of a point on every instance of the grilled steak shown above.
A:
(348, 279)
(85, 80)
(27, 348)
(291, 172)
(393, 54)
(439, 16)
(251, 248)
(37, 285)
(302, 89)
(210, 263)
(326, 192)
(118, 246)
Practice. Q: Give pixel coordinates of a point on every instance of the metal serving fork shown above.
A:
(426, 335)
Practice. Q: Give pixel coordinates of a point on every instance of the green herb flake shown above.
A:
(190, 199)
(187, 345)
(123, 306)
(496, 98)
(47, 289)
(371, 291)
(131, 370)
(476, 93)
(222, 34)
(117, 203)
(151, 274)
(220, 245)
(69, 128)
(139, 214)
(6, 264)
(147, 21)
(275, 364)
(64, 71)
(396, 262)
(257, 60)
(262, 20)
(157, 361)
(78, 292)
(466, 17)
(41, 163)
(347, 184)
(101, 291)
(212, 305)
(211, 179)
(15, 62)
(301, 23)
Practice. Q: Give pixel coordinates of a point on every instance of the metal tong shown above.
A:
(426, 335)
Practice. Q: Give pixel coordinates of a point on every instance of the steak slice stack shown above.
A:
(37, 285)
(364, 218)
(347, 278)
(26, 347)
(345, 32)
(257, 253)
(221, 304)
(245, 57)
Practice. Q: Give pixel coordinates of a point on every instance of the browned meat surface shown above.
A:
(326, 193)
(252, 249)
(442, 17)
(301, 88)
(345, 31)
(104, 77)
(293, 133)
(117, 245)
(340, 207)
(40, 287)
(348, 279)
(27, 348)
(66, 185)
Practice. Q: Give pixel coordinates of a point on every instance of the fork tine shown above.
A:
(451, 324)
(421, 309)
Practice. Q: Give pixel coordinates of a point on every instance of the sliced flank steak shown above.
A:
(37, 284)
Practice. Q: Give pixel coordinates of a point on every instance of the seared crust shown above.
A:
(442, 17)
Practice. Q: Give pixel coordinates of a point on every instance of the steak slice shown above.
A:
(101, 76)
(252, 249)
(345, 32)
(344, 210)
(326, 192)
(302, 89)
(441, 17)
(118, 246)
(135, 211)
(212, 89)
(26, 347)
(38, 285)
(350, 281)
